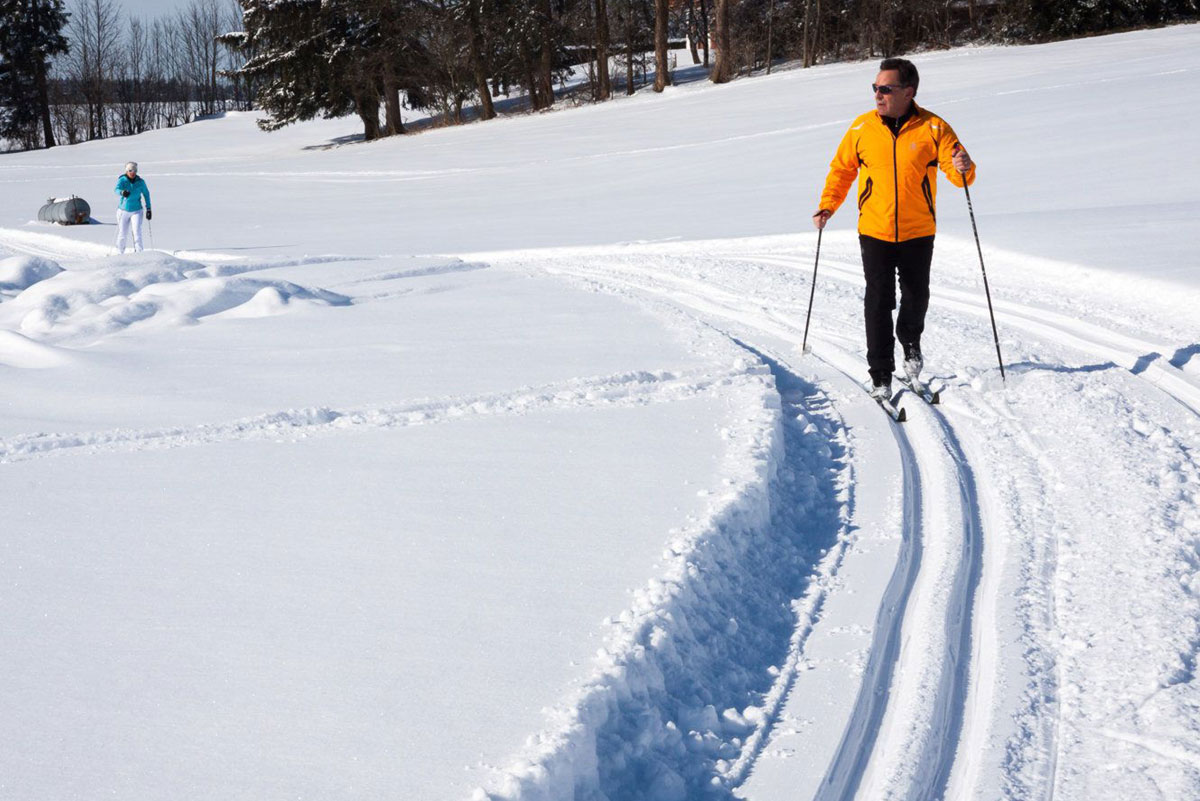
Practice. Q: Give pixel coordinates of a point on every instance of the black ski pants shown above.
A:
(882, 262)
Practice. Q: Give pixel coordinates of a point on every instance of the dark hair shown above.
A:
(907, 70)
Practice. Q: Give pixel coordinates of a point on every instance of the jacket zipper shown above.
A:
(896, 182)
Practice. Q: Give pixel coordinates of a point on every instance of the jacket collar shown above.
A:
(914, 113)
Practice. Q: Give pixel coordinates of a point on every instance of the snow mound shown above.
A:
(22, 272)
(147, 288)
(266, 302)
(21, 351)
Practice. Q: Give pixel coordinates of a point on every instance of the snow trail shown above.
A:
(943, 680)
(925, 714)
(848, 768)
(933, 768)
(1138, 355)
(629, 389)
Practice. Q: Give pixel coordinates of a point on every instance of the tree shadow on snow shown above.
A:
(576, 93)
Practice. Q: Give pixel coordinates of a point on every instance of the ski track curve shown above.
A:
(983, 748)
(943, 718)
(1141, 357)
(625, 389)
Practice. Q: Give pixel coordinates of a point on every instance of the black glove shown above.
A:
(148, 214)
(124, 193)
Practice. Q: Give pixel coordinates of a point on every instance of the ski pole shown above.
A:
(986, 290)
(812, 292)
(150, 226)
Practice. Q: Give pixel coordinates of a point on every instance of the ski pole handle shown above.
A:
(957, 147)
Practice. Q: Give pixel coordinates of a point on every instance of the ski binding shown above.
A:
(921, 390)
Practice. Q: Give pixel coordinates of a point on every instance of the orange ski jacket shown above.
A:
(897, 175)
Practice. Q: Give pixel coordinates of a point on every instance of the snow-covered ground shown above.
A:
(485, 462)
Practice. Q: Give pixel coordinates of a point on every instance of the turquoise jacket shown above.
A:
(136, 189)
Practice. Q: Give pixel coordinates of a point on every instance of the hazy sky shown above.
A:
(149, 9)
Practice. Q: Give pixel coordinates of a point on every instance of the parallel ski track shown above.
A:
(947, 715)
(846, 770)
(1140, 357)
(935, 764)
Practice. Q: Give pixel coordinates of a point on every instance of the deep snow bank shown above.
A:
(691, 674)
(22, 272)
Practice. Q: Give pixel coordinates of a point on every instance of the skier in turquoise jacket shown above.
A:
(133, 200)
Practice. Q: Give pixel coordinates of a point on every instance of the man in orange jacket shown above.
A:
(895, 151)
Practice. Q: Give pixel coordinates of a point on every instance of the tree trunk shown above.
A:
(602, 77)
(722, 70)
(629, 50)
(391, 103)
(43, 99)
(662, 72)
(770, 33)
(486, 110)
(366, 103)
(704, 32)
(817, 38)
(535, 89)
(546, 62)
(693, 31)
(807, 51)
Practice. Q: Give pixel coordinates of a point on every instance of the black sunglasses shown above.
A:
(886, 88)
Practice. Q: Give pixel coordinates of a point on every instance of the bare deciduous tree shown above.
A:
(95, 38)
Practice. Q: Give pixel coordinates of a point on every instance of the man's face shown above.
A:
(131, 174)
(897, 102)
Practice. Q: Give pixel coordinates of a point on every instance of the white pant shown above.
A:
(124, 220)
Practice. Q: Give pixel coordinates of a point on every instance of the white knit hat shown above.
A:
(131, 165)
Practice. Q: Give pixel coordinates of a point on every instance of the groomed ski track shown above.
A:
(910, 700)
(941, 707)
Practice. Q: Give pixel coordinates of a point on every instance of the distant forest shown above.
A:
(79, 71)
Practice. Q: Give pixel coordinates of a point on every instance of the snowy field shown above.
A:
(485, 463)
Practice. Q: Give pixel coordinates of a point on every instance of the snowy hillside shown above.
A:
(485, 463)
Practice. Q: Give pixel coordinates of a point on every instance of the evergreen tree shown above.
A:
(285, 41)
(30, 35)
(327, 57)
